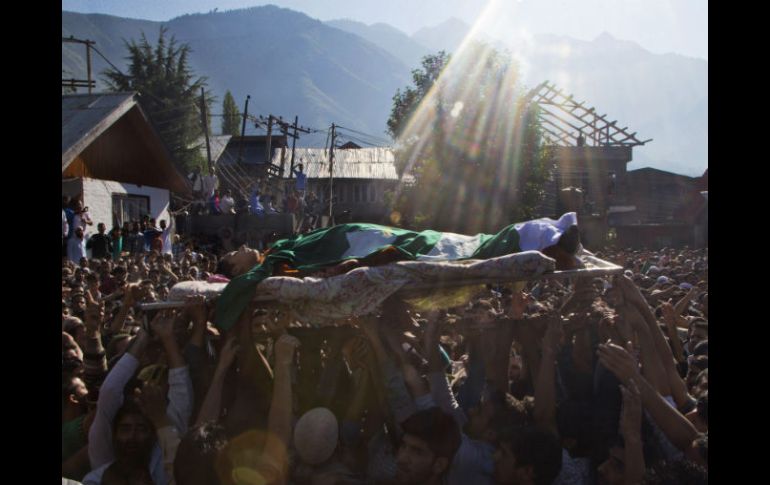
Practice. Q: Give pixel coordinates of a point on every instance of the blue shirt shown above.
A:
(301, 180)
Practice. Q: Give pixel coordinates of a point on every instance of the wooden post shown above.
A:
(205, 126)
(331, 172)
(88, 64)
(243, 128)
(268, 151)
(293, 144)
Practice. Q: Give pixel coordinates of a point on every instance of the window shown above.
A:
(126, 207)
(372, 193)
(358, 193)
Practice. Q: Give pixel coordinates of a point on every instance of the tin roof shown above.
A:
(358, 163)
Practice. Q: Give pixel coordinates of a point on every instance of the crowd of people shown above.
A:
(305, 205)
(585, 381)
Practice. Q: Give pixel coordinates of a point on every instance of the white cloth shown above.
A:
(362, 290)
(574, 471)
(65, 228)
(76, 249)
(168, 246)
(226, 204)
(210, 183)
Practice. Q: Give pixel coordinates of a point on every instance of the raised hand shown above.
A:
(228, 353)
(631, 415)
(162, 324)
(94, 317)
(554, 334)
(618, 361)
(195, 306)
(284, 349)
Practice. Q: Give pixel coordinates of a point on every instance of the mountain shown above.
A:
(446, 36)
(289, 63)
(660, 96)
(347, 72)
(394, 41)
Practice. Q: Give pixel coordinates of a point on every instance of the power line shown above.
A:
(373, 137)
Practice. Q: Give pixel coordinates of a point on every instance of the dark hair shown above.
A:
(129, 408)
(197, 454)
(438, 429)
(701, 443)
(702, 348)
(699, 323)
(703, 407)
(536, 447)
(701, 375)
(510, 413)
(700, 362)
(676, 473)
(225, 268)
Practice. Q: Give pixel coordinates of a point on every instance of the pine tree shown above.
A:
(169, 93)
(231, 117)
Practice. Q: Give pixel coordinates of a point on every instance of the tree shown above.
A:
(169, 93)
(405, 102)
(472, 142)
(231, 117)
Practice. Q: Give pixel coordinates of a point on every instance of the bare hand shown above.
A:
(618, 361)
(284, 349)
(631, 416)
(228, 353)
(554, 334)
(196, 308)
(94, 317)
(162, 324)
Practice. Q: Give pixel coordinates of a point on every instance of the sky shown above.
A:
(660, 26)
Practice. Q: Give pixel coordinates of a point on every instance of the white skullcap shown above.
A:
(315, 436)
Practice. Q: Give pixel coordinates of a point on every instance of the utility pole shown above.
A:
(205, 125)
(80, 83)
(331, 172)
(268, 151)
(293, 144)
(243, 128)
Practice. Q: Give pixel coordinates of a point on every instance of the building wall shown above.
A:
(97, 196)
(655, 236)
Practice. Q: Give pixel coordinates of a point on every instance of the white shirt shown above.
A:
(226, 204)
(168, 247)
(65, 228)
(210, 183)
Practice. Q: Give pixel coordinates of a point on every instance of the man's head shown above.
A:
(133, 436)
(528, 455)
(74, 394)
(699, 330)
(163, 223)
(701, 384)
(300, 167)
(431, 439)
(198, 453)
(236, 263)
(696, 366)
(101, 228)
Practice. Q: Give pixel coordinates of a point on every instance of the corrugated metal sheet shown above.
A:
(85, 116)
(217, 143)
(361, 163)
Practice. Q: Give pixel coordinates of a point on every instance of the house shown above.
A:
(360, 180)
(668, 210)
(113, 157)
